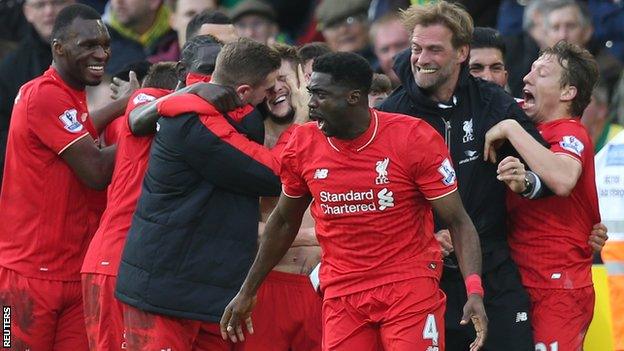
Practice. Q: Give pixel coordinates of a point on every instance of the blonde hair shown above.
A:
(452, 16)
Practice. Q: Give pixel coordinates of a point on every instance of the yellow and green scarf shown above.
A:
(147, 39)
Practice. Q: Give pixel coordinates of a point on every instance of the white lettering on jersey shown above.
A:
(70, 121)
(447, 172)
(142, 97)
(572, 144)
(382, 171)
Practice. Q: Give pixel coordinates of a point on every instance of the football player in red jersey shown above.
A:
(51, 168)
(288, 312)
(549, 236)
(374, 178)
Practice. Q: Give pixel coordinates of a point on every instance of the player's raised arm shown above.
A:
(468, 250)
(281, 229)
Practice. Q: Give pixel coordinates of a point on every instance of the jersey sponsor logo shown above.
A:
(522, 317)
(142, 97)
(321, 173)
(355, 201)
(382, 171)
(468, 133)
(472, 155)
(70, 121)
(386, 199)
(572, 144)
(447, 172)
(555, 276)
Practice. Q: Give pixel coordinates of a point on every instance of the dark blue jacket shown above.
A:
(194, 234)
(476, 106)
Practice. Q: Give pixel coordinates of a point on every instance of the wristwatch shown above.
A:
(528, 185)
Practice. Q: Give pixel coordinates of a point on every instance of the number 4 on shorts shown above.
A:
(431, 331)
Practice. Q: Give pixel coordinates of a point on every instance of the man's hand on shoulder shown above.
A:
(222, 97)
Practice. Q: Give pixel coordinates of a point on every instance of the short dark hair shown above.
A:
(205, 17)
(287, 52)
(381, 84)
(140, 68)
(69, 14)
(189, 50)
(346, 68)
(245, 62)
(486, 38)
(579, 70)
(161, 75)
(310, 51)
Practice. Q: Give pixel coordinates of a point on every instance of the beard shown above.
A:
(282, 120)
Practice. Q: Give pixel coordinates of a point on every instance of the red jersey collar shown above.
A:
(53, 73)
(361, 142)
(193, 78)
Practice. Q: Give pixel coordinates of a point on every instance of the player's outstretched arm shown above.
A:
(465, 240)
(559, 172)
(142, 120)
(280, 231)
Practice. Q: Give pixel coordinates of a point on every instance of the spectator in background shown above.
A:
(381, 87)
(597, 120)
(182, 11)
(487, 52)
(255, 19)
(344, 25)
(31, 58)
(523, 49)
(571, 21)
(214, 23)
(308, 53)
(138, 29)
(389, 37)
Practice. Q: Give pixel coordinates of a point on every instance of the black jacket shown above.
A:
(194, 233)
(31, 58)
(476, 106)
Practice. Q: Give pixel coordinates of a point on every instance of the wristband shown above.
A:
(473, 285)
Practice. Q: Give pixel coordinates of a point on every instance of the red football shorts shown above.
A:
(401, 316)
(102, 312)
(287, 315)
(150, 331)
(45, 314)
(560, 318)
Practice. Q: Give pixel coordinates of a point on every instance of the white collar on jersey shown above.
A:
(376, 127)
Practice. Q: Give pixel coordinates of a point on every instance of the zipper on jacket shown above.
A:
(447, 133)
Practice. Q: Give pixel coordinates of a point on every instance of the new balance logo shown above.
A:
(521, 317)
(321, 173)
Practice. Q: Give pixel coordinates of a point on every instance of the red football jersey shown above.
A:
(47, 213)
(371, 199)
(106, 247)
(548, 236)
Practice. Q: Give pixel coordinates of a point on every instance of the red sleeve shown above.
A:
(430, 164)
(293, 184)
(570, 139)
(54, 117)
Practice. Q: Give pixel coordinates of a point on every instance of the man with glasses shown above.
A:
(344, 24)
(255, 20)
(31, 58)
